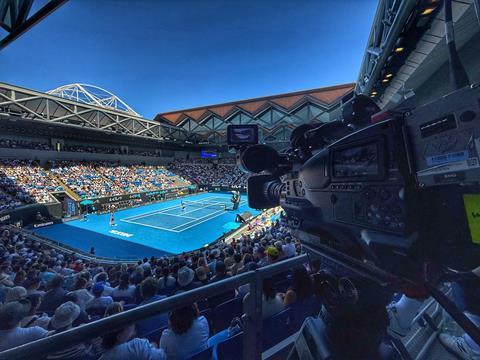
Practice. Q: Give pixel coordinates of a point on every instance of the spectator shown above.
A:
(53, 297)
(32, 319)
(301, 287)
(102, 278)
(220, 274)
(237, 264)
(185, 277)
(166, 283)
(32, 285)
(272, 303)
(201, 275)
(148, 290)
(99, 301)
(63, 319)
(118, 345)
(16, 293)
(272, 254)
(289, 249)
(11, 334)
(124, 288)
(186, 335)
(82, 295)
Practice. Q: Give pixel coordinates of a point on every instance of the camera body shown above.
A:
(391, 193)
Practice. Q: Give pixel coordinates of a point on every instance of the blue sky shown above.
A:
(167, 55)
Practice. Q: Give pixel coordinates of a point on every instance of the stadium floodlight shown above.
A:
(92, 95)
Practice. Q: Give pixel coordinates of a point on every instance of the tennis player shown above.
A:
(112, 218)
(182, 205)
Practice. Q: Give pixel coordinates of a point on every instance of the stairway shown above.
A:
(67, 190)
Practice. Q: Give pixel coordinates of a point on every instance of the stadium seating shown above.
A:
(277, 328)
(57, 263)
(232, 348)
(26, 182)
(203, 355)
(203, 173)
(224, 313)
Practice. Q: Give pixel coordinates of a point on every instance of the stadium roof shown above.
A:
(285, 102)
(92, 95)
(17, 17)
(407, 45)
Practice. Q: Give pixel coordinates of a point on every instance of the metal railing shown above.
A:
(252, 337)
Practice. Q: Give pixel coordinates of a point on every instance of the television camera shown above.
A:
(384, 203)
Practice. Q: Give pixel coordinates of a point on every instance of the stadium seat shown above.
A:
(224, 313)
(154, 336)
(276, 328)
(203, 355)
(208, 315)
(301, 309)
(231, 349)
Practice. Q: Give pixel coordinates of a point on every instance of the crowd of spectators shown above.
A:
(83, 179)
(43, 145)
(24, 144)
(91, 179)
(139, 178)
(44, 291)
(8, 202)
(26, 182)
(215, 173)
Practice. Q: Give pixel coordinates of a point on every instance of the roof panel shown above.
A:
(327, 95)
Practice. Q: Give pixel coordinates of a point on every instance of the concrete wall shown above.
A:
(44, 155)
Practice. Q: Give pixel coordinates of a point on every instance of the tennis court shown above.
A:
(178, 219)
(159, 229)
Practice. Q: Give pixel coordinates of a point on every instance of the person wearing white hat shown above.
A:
(62, 320)
(185, 277)
(16, 293)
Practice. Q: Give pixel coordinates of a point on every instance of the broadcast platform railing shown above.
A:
(252, 338)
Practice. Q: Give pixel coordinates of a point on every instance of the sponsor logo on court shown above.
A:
(120, 233)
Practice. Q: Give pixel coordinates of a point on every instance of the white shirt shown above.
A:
(139, 349)
(83, 297)
(271, 307)
(130, 292)
(102, 301)
(289, 249)
(18, 336)
(179, 347)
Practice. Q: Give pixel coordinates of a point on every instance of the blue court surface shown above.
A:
(164, 228)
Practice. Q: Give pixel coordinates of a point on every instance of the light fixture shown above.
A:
(427, 11)
(388, 76)
(374, 93)
(399, 49)
(385, 80)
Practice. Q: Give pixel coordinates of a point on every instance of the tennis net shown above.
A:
(205, 204)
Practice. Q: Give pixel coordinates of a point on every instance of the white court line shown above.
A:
(151, 212)
(188, 227)
(200, 218)
(198, 223)
(152, 226)
(173, 229)
(161, 211)
(206, 217)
